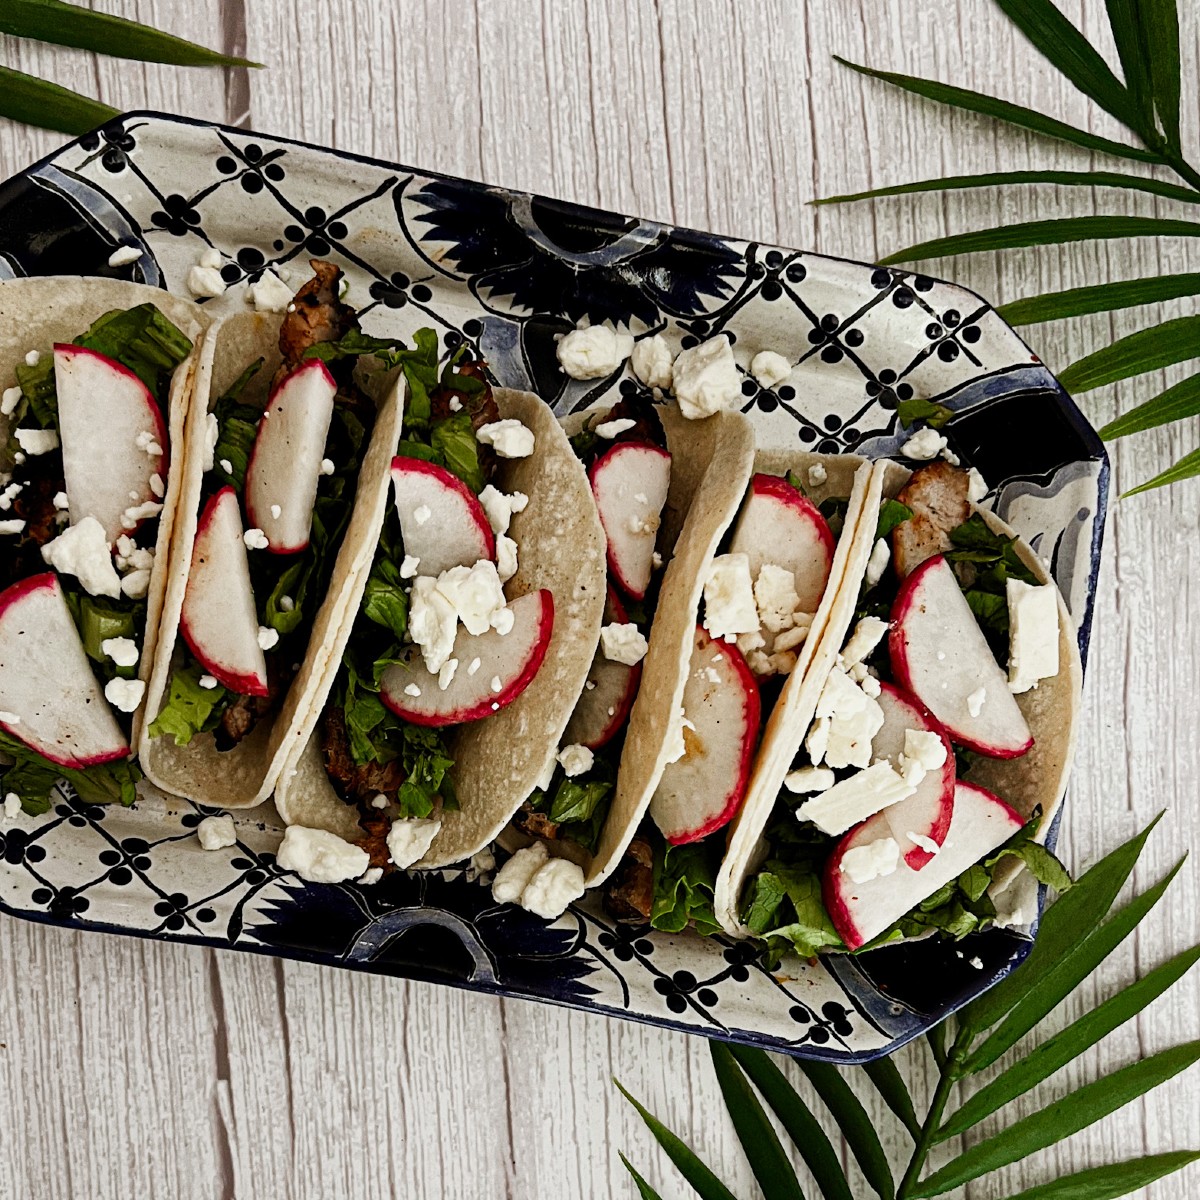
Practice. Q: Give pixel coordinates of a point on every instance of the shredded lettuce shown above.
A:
(891, 514)
(987, 560)
(453, 442)
(189, 709)
(579, 805)
(99, 619)
(33, 779)
(685, 879)
(912, 411)
(354, 344)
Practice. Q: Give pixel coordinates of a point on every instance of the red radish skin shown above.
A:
(860, 912)
(261, 490)
(416, 482)
(36, 606)
(962, 638)
(615, 612)
(929, 810)
(101, 400)
(470, 698)
(626, 470)
(779, 525)
(676, 799)
(218, 565)
(592, 724)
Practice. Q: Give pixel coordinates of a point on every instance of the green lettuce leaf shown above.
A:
(189, 709)
(684, 881)
(891, 514)
(141, 339)
(912, 411)
(354, 344)
(453, 441)
(33, 779)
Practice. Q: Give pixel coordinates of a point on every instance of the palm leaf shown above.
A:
(1187, 467)
(48, 106)
(1081, 1035)
(891, 1087)
(1108, 1183)
(644, 1189)
(759, 1140)
(1071, 917)
(1175, 404)
(1147, 350)
(1101, 297)
(1001, 179)
(855, 1125)
(1068, 50)
(797, 1119)
(1130, 36)
(1046, 233)
(1003, 110)
(69, 25)
(1161, 21)
(1075, 965)
(704, 1183)
(1060, 1120)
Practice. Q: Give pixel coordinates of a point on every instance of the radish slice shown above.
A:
(441, 520)
(630, 484)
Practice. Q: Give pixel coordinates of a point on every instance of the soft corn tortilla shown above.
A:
(711, 464)
(36, 313)
(497, 761)
(246, 775)
(1037, 778)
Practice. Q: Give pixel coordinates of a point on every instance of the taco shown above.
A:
(929, 745)
(283, 437)
(464, 647)
(97, 377)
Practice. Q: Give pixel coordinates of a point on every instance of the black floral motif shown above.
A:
(179, 218)
(251, 166)
(17, 847)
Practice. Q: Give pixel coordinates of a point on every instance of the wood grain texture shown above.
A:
(206, 1074)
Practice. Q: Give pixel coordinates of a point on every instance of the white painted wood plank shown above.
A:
(714, 115)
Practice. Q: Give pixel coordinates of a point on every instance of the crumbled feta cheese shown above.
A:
(924, 843)
(327, 467)
(14, 526)
(268, 639)
(877, 563)
(422, 513)
(276, 511)
(952, 458)
(1032, 634)
(82, 550)
(36, 441)
(868, 633)
(593, 352)
(61, 502)
(554, 885)
(513, 878)
(775, 596)
(255, 539)
(975, 701)
(623, 643)
(33, 358)
(318, 856)
(729, 606)
(482, 864)
(270, 294)
(976, 962)
(924, 747)
(217, 833)
(575, 760)
(509, 438)
(286, 604)
(157, 487)
(122, 650)
(455, 404)
(872, 861)
(205, 281)
(706, 378)
(125, 694)
(136, 584)
(925, 444)
(370, 877)
(792, 639)
(854, 719)
(411, 689)
(652, 361)
(496, 685)
(208, 682)
(9, 400)
(783, 662)
(475, 594)
(610, 429)
(759, 663)
(817, 475)
(473, 666)
(122, 256)
(807, 780)
(136, 513)
(816, 742)
(447, 673)
(506, 557)
(856, 798)
(748, 642)
(408, 568)
(12, 806)
(380, 801)
(226, 466)
(408, 841)
(769, 369)
(500, 508)
(977, 486)
(210, 257)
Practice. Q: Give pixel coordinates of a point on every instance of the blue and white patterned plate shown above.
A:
(506, 272)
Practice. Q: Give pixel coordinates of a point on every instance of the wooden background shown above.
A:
(134, 1069)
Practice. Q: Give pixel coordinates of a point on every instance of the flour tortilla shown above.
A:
(36, 313)
(1037, 778)
(497, 761)
(246, 775)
